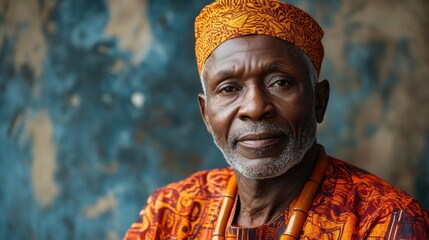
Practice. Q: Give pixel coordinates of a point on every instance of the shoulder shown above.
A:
(369, 198)
(197, 190)
(202, 184)
(365, 206)
(364, 185)
(180, 205)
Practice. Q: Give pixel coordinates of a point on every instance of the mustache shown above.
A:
(254, 127)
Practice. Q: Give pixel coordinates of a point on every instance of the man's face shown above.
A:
(259, 105)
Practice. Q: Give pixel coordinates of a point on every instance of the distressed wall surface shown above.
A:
(98, 105)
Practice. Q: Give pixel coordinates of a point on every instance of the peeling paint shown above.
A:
(17, 121)
(24, 21)
(111, 235)
(137, 99)
(44, 164)
(102, 205)
(74, 100)
(117, 66)
(128, 23)
(379, 22)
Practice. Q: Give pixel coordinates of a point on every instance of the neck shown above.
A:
(262, 200)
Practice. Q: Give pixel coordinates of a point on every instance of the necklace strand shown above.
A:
(299, 211)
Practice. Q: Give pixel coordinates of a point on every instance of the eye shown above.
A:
(228, 89)
(280, 83)
(283, 83)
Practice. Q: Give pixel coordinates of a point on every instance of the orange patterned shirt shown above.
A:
(351, 204)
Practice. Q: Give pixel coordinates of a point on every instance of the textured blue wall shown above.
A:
(98, 105)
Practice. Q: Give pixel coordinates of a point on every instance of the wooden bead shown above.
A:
(225, 211)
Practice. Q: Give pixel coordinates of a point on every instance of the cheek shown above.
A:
(221, 118)
(298, 111)
(303, 110)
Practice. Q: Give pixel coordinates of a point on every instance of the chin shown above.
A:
(263, 168)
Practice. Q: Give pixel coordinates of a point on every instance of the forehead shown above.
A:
(252, 53)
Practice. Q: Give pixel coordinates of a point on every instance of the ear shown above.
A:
(203, 111)
(321, 92)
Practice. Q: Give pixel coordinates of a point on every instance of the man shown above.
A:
(259, 62)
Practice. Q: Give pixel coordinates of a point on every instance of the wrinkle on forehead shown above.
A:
(225, 51)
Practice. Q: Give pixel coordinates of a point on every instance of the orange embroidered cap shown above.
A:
(226, 19)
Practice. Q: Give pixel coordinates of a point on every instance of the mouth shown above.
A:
(260, 140)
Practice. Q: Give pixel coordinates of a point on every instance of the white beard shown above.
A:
(269, 167)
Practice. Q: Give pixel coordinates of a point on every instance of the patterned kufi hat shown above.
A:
(227, 19)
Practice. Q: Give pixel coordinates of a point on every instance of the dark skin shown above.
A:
(261, 78)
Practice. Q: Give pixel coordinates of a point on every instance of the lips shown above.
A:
(260, 140)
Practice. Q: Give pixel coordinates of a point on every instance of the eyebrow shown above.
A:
(271, 67)
(223, 74)
(275, 66)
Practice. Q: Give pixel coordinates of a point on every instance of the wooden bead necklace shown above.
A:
(299, 211)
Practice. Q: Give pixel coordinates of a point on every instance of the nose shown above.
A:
(256, 104)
